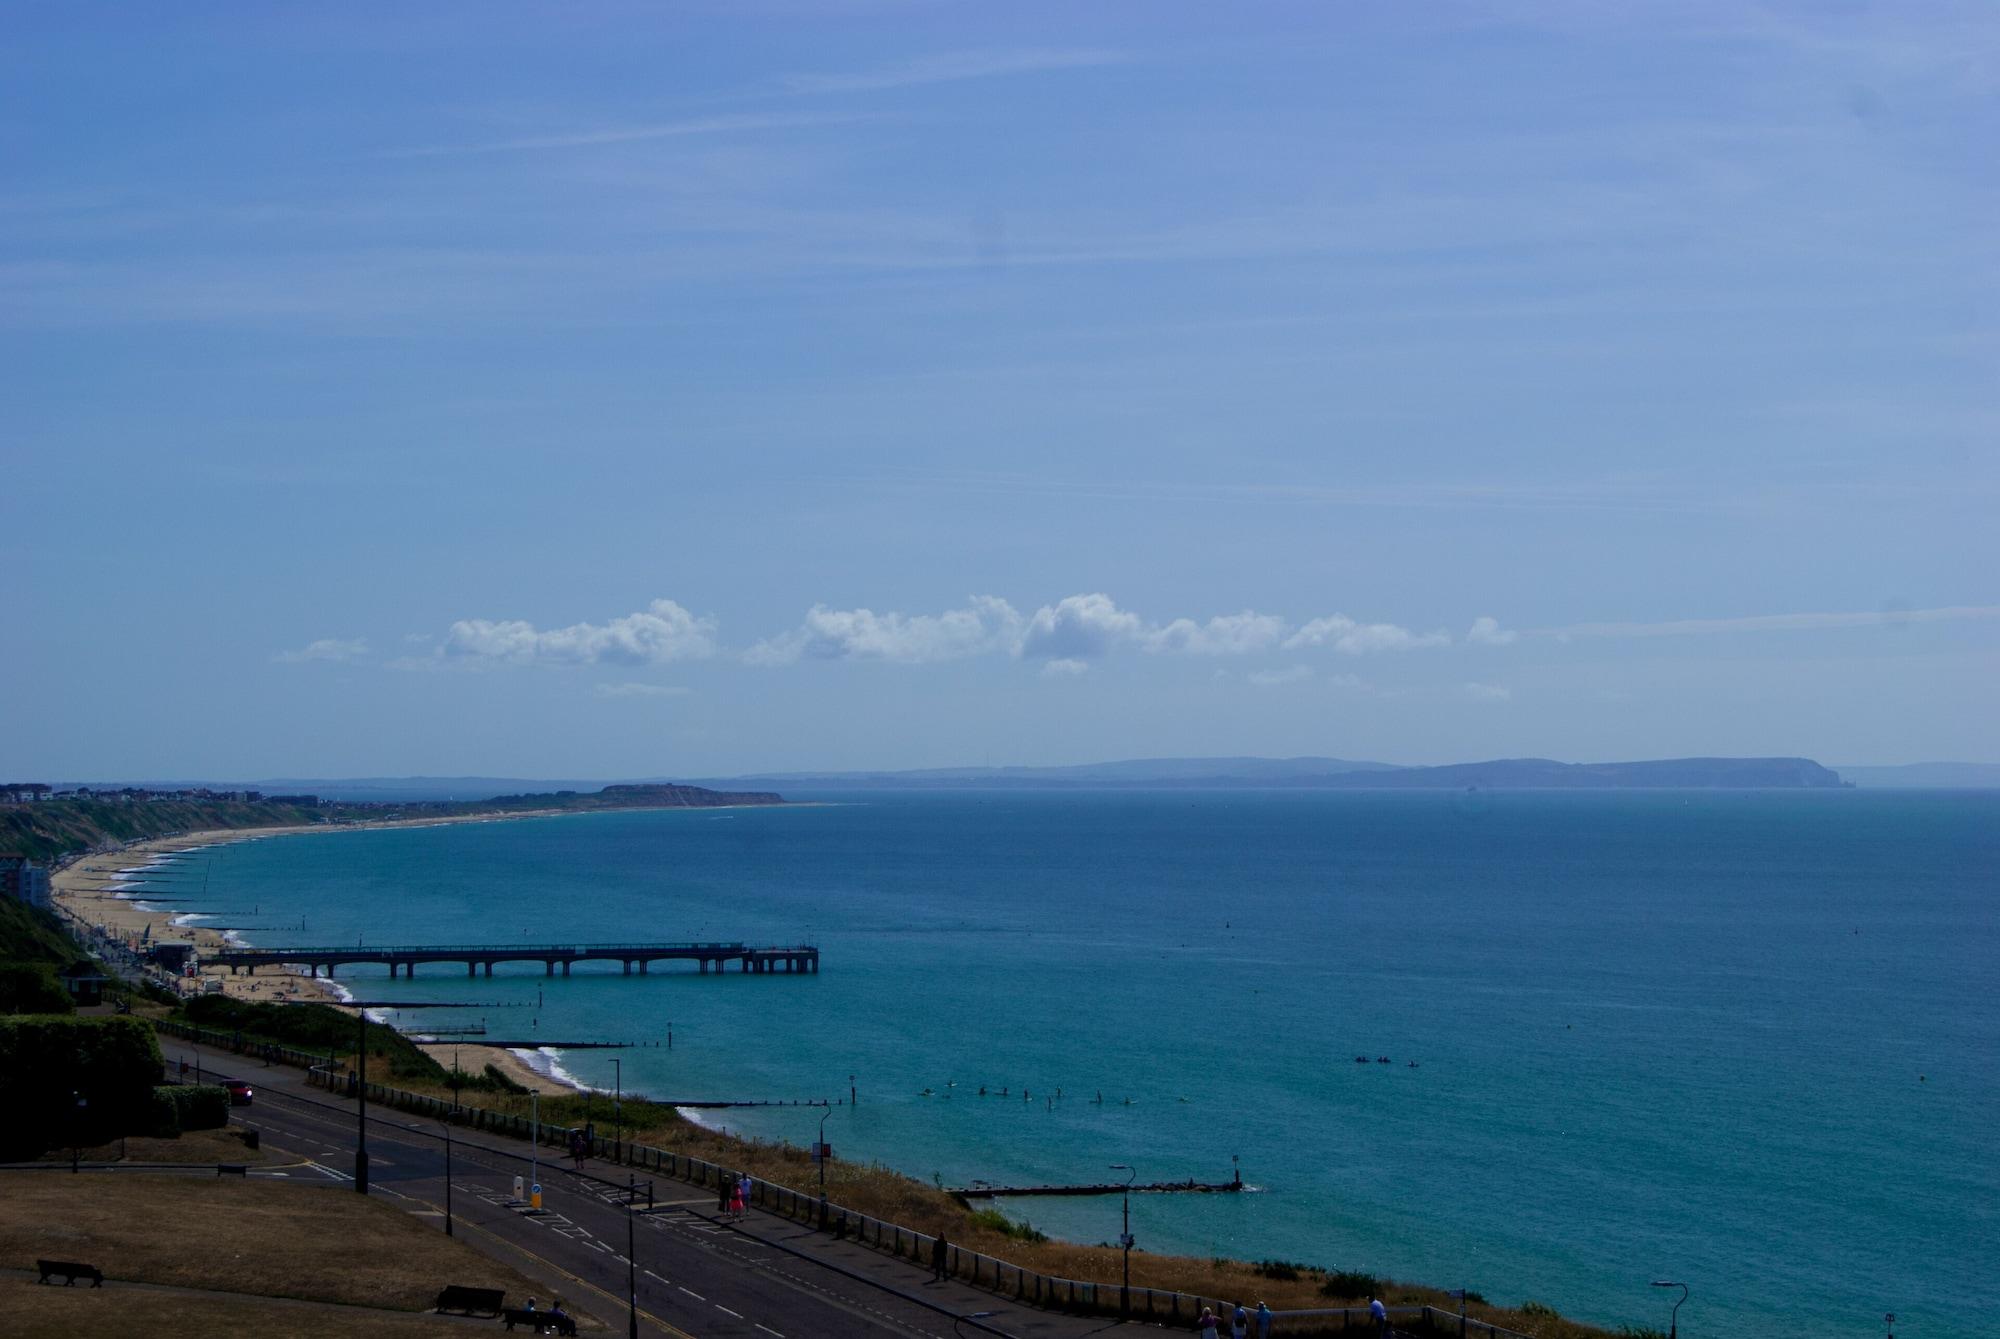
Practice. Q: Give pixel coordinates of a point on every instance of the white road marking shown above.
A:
(692, 1293)
(768, 1330)
(651, 1275)
(727, 1312)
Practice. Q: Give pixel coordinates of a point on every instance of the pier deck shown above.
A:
(982, 1191)
(404, 960)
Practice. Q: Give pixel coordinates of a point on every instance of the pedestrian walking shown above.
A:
(1263, 1321)
(1207, 1326)
(939, 1246)
(1380, 1315)
(736, 1199)
(1239, 1324)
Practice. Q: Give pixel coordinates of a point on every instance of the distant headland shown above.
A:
(1343, 774)
(43, 822)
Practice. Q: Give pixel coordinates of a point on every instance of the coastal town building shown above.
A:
(24, 881)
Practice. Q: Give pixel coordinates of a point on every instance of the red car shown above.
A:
(240, 1092)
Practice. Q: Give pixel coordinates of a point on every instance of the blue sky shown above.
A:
(610, 390)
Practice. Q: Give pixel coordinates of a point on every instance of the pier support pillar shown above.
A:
(644, 963)
(627, 965)
(549, 964)
(489, 968)
(471, 968)
(565, 966)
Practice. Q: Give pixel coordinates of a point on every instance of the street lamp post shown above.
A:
(535, 1152)
(1673, 1321)
(361, 1110)
(631, 1261)
(1125, 1239)
(447, 1179)
(819, 1156)
(618, 1108)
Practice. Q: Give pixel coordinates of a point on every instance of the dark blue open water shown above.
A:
(1747, 1040)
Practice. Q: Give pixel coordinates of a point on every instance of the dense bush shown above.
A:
(74, 1081)
(32, 988)
(1282, 1270)
(1350, 1283)
(164, 1120)
(315, 1027)
(200, 1106)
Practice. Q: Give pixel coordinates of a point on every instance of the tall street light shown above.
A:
(618, 1108)
(1674, 1321)
(631, 1260)
(1125, 1240)
(819, 1156)
(361, 1110)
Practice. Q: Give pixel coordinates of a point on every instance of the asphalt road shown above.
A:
(695, 1275)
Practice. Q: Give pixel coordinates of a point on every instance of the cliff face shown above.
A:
(48, 829)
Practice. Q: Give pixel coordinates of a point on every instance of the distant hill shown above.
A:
(1546, 774)
(1333, 773)
(1927, 775)
(1137, 772)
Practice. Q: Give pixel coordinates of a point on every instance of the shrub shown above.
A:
(1539, 1310)
(314, 1027)
(74, 1081)
(200, 1106)
(1350, 1283)
(32, 988)
(164, 1120)
(995, 1221)
(1282, 1270)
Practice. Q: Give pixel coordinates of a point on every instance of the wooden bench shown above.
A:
(71, 1272)
(465, 1301)
(541, 1322)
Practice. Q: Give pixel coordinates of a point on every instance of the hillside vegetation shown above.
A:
(50, 829)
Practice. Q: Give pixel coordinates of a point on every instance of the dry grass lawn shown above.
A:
(36, 1312)
(266, 1238)
(196, 1147)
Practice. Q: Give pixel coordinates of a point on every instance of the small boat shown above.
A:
(1360, 1059)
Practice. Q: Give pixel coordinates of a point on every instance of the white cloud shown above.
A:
(1065, 669)
(1226, 635)
(661, 632)
(951, 66)
(1487, 692)
(1352, 683)
(985, 624)
(618, 690)
(326, 648)
(1486, 631)
(706, 125)
(1079, 627)
(1289, 674)
(1354, 638)
(1689, 627)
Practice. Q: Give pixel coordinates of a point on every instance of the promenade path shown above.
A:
(766, 1278)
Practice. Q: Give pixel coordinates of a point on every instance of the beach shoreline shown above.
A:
(87, 889)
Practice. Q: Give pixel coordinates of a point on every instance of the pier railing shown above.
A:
(988, 1272)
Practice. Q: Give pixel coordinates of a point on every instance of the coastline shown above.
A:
(88, 890)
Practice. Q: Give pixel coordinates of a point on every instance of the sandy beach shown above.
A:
(85, 890)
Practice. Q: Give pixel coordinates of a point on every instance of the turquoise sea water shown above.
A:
(1750, 1041)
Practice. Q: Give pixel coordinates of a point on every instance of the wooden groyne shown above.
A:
(982, 1191)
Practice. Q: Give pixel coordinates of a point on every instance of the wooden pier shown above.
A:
(404, 960)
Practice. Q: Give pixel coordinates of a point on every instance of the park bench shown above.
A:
(541, 1322)
(465, 1301)
(71, 1272)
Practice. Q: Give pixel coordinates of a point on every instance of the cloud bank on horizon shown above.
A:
(1065, 637)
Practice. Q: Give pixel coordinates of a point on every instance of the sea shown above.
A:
(1747, 1041)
